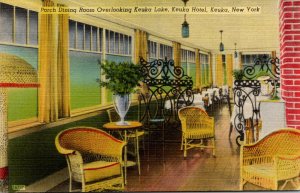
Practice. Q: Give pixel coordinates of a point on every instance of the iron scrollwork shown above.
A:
(262, 64)
(167, 85)
(246, 91)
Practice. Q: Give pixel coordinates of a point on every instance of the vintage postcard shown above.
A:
(149, 95)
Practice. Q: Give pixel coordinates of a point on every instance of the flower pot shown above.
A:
(122, 104)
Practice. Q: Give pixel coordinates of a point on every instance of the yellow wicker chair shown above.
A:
(196, 125)
(94, 158)
(274, 158)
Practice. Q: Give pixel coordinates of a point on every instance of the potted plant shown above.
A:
(122, 79)
(238, 74)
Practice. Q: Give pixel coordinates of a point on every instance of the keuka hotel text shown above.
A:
(193, 9)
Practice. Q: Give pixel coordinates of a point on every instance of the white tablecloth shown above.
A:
(272, 116)
(217, 94)
(225, 90)
(197, 102)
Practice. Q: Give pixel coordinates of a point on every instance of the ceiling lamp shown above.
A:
(185, 1)
(235, 52)
(221, 44)
(185, 29)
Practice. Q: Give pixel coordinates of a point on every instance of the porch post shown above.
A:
(289, 17)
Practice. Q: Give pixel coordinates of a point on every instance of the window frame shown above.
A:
(113, 48)
(98, 42)
(13, 41)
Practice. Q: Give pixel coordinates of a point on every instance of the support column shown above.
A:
(229, 68)
(103, 90)
(210, 79)
(3, 141)
(219, 70)
(198, 76)
(289, 17)
(214, 69)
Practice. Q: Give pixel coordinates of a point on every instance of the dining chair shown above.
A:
(196, 125)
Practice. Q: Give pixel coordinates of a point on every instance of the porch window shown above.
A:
(19, 36)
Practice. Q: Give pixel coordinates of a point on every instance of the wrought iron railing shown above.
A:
(166, 83)
(264, 64)
(247, 90)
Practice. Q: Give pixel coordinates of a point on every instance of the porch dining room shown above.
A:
(142, 96)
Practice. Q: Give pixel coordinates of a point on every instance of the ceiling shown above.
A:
(251, 32)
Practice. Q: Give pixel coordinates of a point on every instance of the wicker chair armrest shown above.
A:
(252, 150)
(61, 149)
(251, 160)
(288, 166)
(208, 119)
(210, 123)
(289, 157)
(288, 162)
(115, 150)
(183, 123)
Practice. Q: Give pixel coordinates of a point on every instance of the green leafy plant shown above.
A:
(238, 74)
(121, 78)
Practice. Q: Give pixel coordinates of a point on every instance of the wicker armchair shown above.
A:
(94, 158)
(274, 158)
(196, 125)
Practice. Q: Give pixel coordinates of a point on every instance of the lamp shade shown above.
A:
(221, 47)
(235, 52)
(185, 30)
(16, 72)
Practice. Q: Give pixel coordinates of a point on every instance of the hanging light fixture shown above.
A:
(185, 29)
(221, 44)
(185, 1)
(235, 52)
